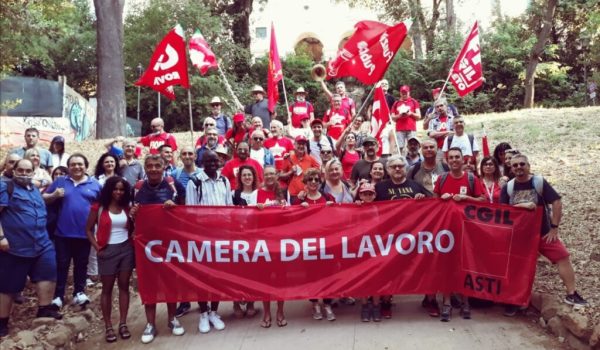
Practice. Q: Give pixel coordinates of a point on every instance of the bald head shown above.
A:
(157, 124)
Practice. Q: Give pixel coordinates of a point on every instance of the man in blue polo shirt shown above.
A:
(25, 248)
(78, 191)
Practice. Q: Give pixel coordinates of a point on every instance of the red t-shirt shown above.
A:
(298, 110)
(347, 104)
(406, 123)
(266, 197)
(153, 141)
(279, 147)
(348, 161)
(325, 197)
(494, 190)
(231, 168)
(201, 141)
(458, 186)
(238, 137)
(340, 119)
(443, 127)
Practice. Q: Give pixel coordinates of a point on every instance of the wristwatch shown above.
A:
(553, 226)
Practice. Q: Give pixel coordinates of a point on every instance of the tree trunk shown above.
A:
(450, 16)
(110, 120)
(416, 29)
(536, 53)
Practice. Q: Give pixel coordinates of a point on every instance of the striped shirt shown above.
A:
(214, 191)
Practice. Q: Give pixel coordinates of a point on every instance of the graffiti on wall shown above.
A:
(80, 113)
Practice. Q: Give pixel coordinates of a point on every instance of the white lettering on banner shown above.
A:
(307, 249)
(167, 77)
(385, 44)
(334, 66)
(365, 57)
(170, 61)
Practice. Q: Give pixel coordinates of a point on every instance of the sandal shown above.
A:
(124, 331)
(110, 336)
(281, 322)
(265, 323)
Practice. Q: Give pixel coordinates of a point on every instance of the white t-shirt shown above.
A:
(258, 156)
(118, 231)
(250, 198)
(463, 143)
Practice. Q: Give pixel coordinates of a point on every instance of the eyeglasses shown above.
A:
(205, 125)
(258, 139)
(215, 105)
(325, 152)
(521, 164)
(440, 106)
(314, 179)
(488, 164)
(397, 166)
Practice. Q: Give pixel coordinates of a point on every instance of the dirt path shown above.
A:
(410, 328)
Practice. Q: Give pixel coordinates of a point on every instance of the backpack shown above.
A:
(319, 145)
(471, 140)
(415, 169)
(140, 183)
(198, 183)
(470, 179)
(538, 184)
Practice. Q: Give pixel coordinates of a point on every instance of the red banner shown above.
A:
(467, 74)
(381, 116)
(168, 65)
(369, 51)
(191, 253)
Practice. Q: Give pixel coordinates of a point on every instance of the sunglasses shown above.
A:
(397, 166)
(314, 179)
(209, 125)
(155, 126)
(258, 139)
(521, 164)
(325, 152)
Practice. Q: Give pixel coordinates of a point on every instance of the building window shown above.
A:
(261, 32)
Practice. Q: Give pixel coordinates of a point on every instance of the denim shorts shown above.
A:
(15, 269)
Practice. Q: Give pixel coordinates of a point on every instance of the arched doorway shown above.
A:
(310, 44)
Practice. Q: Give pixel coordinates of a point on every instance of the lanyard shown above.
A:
(490, 192)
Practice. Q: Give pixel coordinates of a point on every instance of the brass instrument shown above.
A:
(318, 72)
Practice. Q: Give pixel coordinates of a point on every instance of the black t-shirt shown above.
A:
(361, 169)
(525, 192)
(161, 193)
(388, 190)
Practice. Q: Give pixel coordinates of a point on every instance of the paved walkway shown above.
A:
(410, 328)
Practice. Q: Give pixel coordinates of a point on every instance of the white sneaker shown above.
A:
(81, 299)
(176, 327)
(204, 325)
(215, 319)
(149, 334)
(57, 302)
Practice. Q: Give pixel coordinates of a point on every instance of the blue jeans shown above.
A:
(67, 249)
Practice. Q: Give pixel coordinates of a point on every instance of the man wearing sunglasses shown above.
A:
(258, 151)
(158, 137)
(530, 191)
(209, 123)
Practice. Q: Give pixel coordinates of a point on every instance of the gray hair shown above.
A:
(395, 158)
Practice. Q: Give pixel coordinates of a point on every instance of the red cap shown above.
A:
(405, 88)
(239, 117)
(366, 187)
(436, 91)
(316, 121)
(300, 138)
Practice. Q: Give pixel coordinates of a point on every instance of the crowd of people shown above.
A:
(56, 211)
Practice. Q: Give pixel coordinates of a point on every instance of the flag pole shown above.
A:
(229, 89)
(365, 102)
(191, 118)
(287, 106)
(158, 93)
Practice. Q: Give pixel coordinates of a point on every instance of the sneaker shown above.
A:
(149, 334)
(510, 310)
(215, 319)
(49, 311)
(365, 313)
(348, 301)
(576, 300)
(176, 327)
(432, 308)
(329, 313)
(317, 314)
(386, 310)
(81, 299)
(446, 314)
(204, 325)
(465, 312)
(376, 313)
(57, 302)
(183, 309)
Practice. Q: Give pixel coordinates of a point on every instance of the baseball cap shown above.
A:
(326, 147)
(239, 117)
(405, 88)
(366, 187)
(222, 150)
(370, 139)
(300, 138)
(414, 138)
(58, 139)
(316, 121)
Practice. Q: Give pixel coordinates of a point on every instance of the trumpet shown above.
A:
(318, 72)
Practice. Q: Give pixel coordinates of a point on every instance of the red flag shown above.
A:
(201, 55)
(168, 65)
(368, 53)
(274, 74)
(381, 116)
(466, 74)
